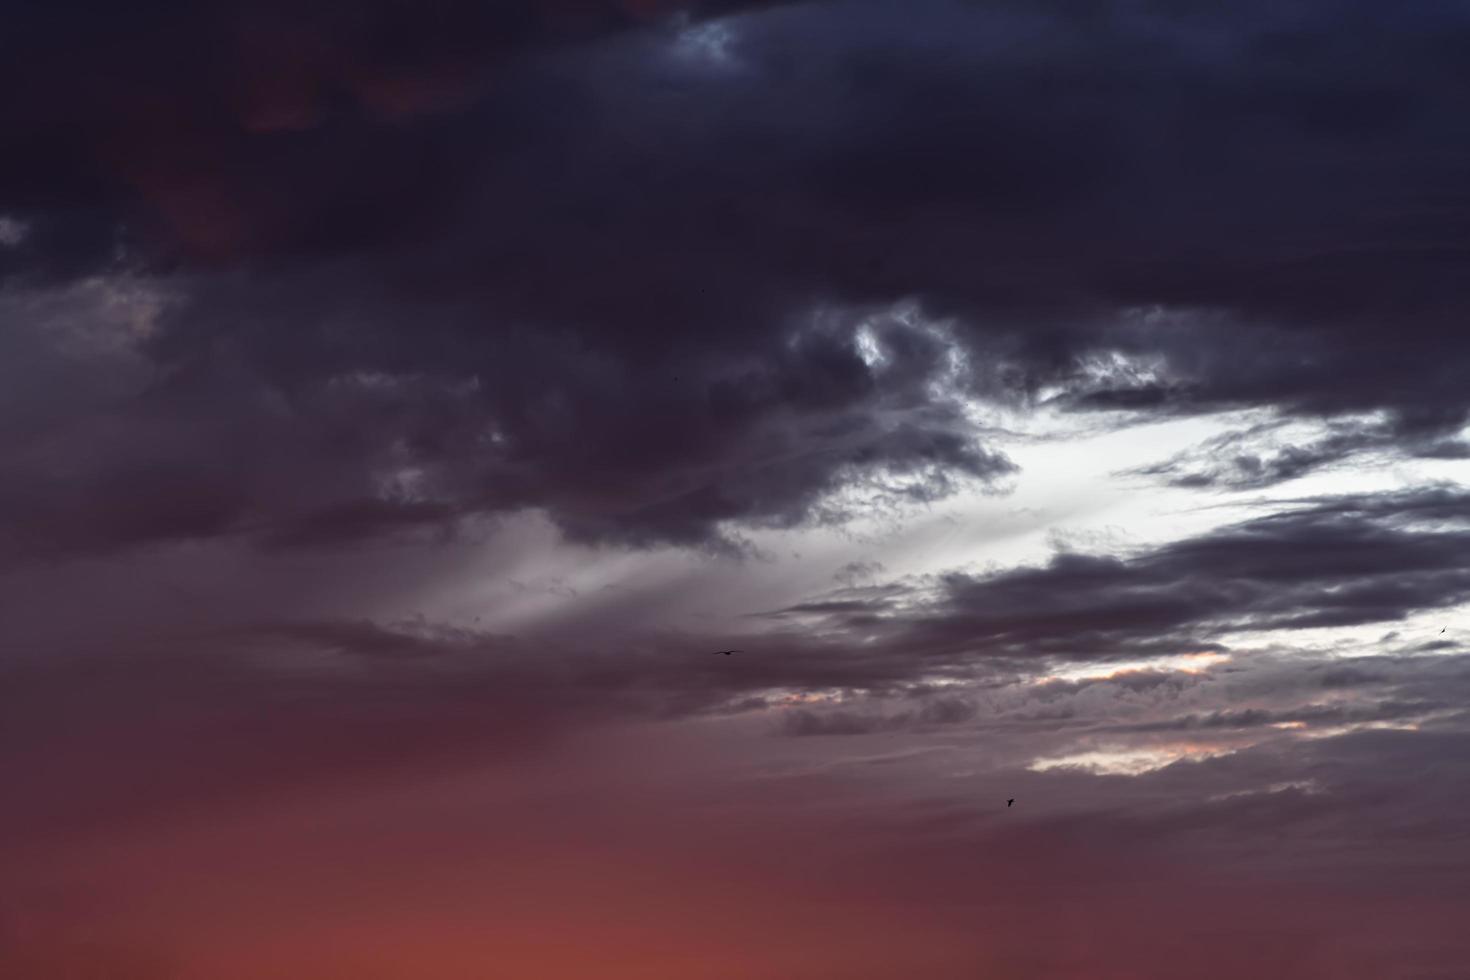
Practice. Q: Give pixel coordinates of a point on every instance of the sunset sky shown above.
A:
(402, 400)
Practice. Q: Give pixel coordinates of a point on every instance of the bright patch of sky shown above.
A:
(1131, 761)
(1186, 663)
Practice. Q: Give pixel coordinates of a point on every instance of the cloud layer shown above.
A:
(313, 320)
(422, 304)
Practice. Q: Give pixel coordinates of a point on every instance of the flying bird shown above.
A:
(725, 652)
(1444, 629)
(1009, 802)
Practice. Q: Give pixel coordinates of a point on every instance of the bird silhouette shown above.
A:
(1444, 629)
(1009, 802)
(725, 652)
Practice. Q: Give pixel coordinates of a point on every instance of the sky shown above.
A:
(1052, 402)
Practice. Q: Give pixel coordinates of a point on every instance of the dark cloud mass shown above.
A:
(1331, 562)
(400, 402)
(388, 255)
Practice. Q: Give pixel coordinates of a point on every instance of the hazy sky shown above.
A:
(1059, 402)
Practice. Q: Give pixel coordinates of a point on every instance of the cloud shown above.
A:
(1332, 562)
(931, 712)
(396, 288)
(808, 433)
(963, 653)
(299, 305)
(1347, 561)
(1262, 455)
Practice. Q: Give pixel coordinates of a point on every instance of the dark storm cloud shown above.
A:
(582, 278)
(1333, 562)
(1252, 458)
(1258, 456)
(228, 125)
(615, 450)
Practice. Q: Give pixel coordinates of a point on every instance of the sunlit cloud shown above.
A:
(1131, 761)
(1335, 731)
(1184, 663)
